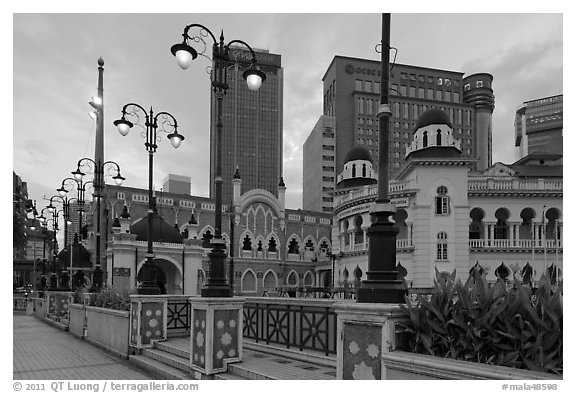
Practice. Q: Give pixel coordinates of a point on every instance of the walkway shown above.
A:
(42, 351)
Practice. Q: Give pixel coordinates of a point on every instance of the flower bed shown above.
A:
(504, 325)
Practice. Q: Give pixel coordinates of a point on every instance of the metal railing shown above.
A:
(179, 312)
(292, 323)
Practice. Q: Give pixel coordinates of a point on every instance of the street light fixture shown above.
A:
(98, 188)
(216, 285)
(148, 285)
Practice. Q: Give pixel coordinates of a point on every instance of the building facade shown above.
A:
(271, 246)
(506, 219)
(538, 126)
(177, 184)
(318, 176)
(351, 94)
(252, 126)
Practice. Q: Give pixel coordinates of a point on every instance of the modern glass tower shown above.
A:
(252, 126)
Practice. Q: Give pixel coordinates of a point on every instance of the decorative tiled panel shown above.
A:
(152, 320)
(134, 323)
(362, 349)
(51, 303)
(61, 305)
(198, 337)
(225, 337)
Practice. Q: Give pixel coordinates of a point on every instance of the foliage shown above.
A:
(500, 325)
(111, 298)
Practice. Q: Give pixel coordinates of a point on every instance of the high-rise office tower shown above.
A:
(177, 184)
(351, 94)
(252, 126)
(538, 126)
(318, 176)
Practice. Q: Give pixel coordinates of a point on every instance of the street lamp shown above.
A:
(382, 284)
(149, 285)
(98, 188)
(216, 285)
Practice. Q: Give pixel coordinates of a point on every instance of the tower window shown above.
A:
(442, 201)
(442, 247)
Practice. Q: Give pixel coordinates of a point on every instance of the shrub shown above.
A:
(111, 298)
(500, 325)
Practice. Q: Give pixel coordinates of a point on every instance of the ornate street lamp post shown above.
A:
(382, 284)
(216, 285)
(99, 185)
(149, 285)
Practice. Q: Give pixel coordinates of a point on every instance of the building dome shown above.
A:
(161, 230)
(358, 170)
(358, 153)
(433, 116)
(433, 137)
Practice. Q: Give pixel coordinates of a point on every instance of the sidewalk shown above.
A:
(42, 351)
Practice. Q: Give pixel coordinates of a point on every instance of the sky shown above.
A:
(55, 74)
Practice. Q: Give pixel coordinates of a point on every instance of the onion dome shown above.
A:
(161, 230)
(433, 116)
(433, 137)
(358, 153)
(358, 170)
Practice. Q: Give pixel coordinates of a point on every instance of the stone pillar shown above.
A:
(148, 320)
(215, 334)
(365, 332)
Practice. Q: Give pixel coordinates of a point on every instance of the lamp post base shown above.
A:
(393, 291)
(149, 286)
(216, 286)
(97, 277)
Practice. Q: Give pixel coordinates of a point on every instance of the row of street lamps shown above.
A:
(184, 53)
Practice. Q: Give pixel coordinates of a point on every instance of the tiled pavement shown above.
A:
(42, 351)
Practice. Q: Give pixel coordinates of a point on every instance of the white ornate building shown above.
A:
(450, 218)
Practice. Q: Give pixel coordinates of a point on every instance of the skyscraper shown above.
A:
(351, 95)
(177, 184)
(538, 126)
(252, 126)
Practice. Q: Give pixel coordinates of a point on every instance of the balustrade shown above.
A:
(309, 324)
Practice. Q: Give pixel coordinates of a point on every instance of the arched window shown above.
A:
(363, 170)
(442, 201)
(425, 139)
(442, 247)
(247, 243)
(249, 282)
(309, 246)
(438, 138)
(293, 246)
(353, 170)
(259, 245)
(272, 245)
(206, 238)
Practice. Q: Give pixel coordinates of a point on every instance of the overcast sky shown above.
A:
(55, 75)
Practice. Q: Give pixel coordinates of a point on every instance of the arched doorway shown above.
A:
(166, 275)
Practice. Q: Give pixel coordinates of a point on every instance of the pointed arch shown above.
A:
(248, 282)
(309, 279)
(260, 244)
(310, 242)
(270, 280)
(293, 244)
(292, 279)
